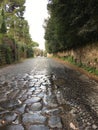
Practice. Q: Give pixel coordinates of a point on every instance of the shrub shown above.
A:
(8, 55)
(29, 52)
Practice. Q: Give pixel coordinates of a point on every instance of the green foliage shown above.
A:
(15, 40)
(71, 24)
(16, 6)
(8, 55)
(17, 26)
(3, 28)
(3, 25)
(34, 44)
(5, 54)
(30, 52)
(86, 67)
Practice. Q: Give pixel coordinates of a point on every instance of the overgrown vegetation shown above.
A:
(88, 68)
(15, 40)
(71, 24)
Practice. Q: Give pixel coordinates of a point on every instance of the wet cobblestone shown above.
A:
(42, 100)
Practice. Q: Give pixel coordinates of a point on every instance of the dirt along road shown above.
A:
(43, 94)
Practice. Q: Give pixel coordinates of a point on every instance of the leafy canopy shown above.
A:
(71, 24)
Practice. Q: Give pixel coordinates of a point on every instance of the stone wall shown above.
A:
(87, 55)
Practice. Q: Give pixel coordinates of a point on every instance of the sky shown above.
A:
(35, 13)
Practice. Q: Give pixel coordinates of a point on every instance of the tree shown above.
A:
(3, 25)
(14, 30)
(71, 24)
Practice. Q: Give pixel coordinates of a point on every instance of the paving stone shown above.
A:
(25, 84)
(43, 87)
(4, 112)
(25, 76)
(38, 127)
(87, 128)
(16, 122)
(9, 91)
(13, 94)
(32, 89)
(52, 112)
(55, 122)
(31, 84)
(21, 109)
(14, 84)
(30, 77)
(15, 127)
(52, 105)
(2, 78)
(33, 118)
(51, 100)
(1, 109)
(36, 106)
(41, 95)
(32, 100)
(3, 98)
(10, 104)
(5, 83)
(38, 76)
(10, 117)
(29, 93)
(23, 97)
(94, 126)
(37, 92)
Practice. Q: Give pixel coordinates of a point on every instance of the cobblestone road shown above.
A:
(42, 94)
